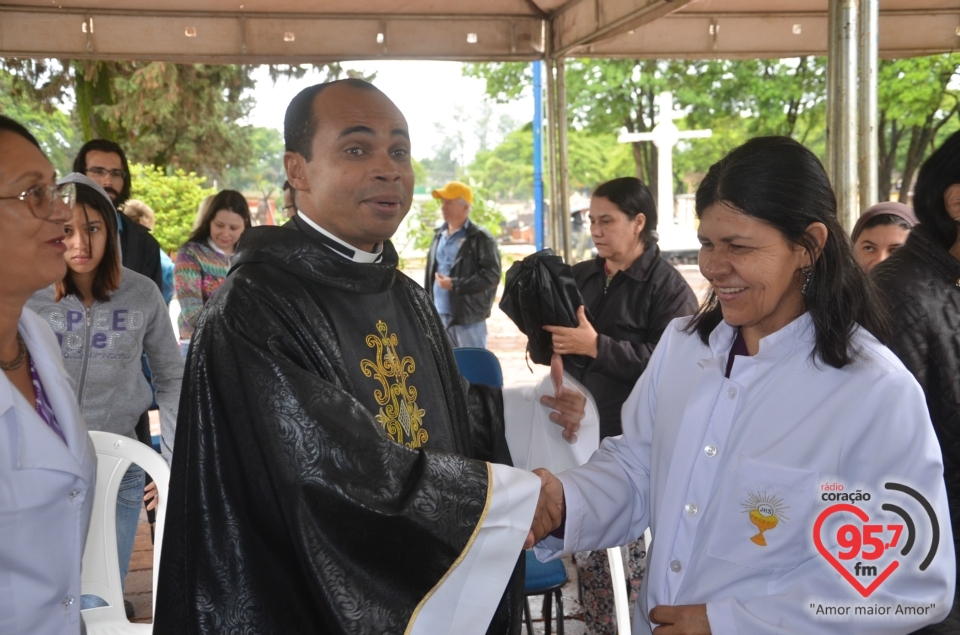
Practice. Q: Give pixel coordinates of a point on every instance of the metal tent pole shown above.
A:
(832, 56)
(537, 155)
(869, 20)
(843, 131)
(563, 207)
(552, 155)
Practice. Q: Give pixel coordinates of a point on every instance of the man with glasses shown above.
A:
(105, 163)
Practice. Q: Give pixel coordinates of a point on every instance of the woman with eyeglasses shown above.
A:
(47, 462)
(106, 318)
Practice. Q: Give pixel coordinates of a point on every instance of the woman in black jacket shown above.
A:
(631, 294)
(921, 282)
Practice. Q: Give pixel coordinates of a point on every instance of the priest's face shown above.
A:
(359, 183)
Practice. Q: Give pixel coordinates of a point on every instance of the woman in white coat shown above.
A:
(783, 458)
(47, 462)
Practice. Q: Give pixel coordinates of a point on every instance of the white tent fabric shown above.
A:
(303, 31)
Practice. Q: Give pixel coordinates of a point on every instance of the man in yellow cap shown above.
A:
(463, 269)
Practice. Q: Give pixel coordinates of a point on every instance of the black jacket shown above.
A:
(139, 250)
(475, 274)
(629, 316)
(290, 508)
(921, 285)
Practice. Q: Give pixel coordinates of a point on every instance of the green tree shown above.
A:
(174, 199)
(49, 123)
(507, 170)
(605, 96)
(184, 116)
(264, 171)
(917, 109)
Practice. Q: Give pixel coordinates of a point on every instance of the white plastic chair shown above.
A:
(100, 571)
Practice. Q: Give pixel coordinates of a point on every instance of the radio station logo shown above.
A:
(866, 549)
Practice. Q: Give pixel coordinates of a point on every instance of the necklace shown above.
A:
(21, 356)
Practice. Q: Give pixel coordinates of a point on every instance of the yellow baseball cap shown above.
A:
(454, 189)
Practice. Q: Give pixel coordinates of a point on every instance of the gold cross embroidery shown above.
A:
(399, 414)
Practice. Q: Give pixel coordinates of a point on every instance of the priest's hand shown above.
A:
(550, 507)
(575, 341)
(445, 282)
(689, 619)
(569, 404)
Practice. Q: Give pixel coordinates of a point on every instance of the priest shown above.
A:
(334, 473)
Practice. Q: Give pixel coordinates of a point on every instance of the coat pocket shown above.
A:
(764, 517)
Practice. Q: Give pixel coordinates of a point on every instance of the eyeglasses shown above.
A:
(43, 199)
(117, 174)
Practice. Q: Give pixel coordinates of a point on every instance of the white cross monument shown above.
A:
(665, 136)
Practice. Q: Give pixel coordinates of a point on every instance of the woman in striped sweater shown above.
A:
(203, 261)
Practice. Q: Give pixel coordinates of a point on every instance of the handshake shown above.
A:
(550, 508)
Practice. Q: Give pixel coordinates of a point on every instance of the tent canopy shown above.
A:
(304, 31)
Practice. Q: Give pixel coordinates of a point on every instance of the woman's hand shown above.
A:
(579, 341)
(689, 619)
(150, 497)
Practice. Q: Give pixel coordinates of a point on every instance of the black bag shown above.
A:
(540, 291)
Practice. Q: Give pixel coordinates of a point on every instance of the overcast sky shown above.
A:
(426, 92)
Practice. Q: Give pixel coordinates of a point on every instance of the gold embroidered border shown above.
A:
(463, 554)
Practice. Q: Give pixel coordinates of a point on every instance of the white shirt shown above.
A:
(46, 497)
(699, 452)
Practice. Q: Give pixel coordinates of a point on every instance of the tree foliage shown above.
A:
(186, 116)
(52, 127)
(264, 171)
(606, 96)
(739, 99)
(174, 198)
(917, 109)
(507, 170)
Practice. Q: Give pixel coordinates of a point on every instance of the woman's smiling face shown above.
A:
(752, 268)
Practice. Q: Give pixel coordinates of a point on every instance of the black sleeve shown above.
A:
(487, 273)
(622, 360)
(487, 432)
(151, 259)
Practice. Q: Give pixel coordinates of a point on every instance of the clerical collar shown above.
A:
(341, 248)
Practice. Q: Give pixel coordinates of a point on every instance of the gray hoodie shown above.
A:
(102, 347)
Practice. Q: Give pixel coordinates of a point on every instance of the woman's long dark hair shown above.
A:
(938, 172)
(230, 200)
(632, 197)
(110, 270)
(778, 181)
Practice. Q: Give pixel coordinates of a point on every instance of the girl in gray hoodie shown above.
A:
(105, 318)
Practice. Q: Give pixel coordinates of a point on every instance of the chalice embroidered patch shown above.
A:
(766, 512)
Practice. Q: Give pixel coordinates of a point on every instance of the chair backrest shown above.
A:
(479, 366)
(100, 570)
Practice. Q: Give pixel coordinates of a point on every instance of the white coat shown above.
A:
(704, 460)
(46, 497)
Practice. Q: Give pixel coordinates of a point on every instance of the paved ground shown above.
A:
(509, 344)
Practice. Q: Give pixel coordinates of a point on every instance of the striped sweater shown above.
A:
(200, 271)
